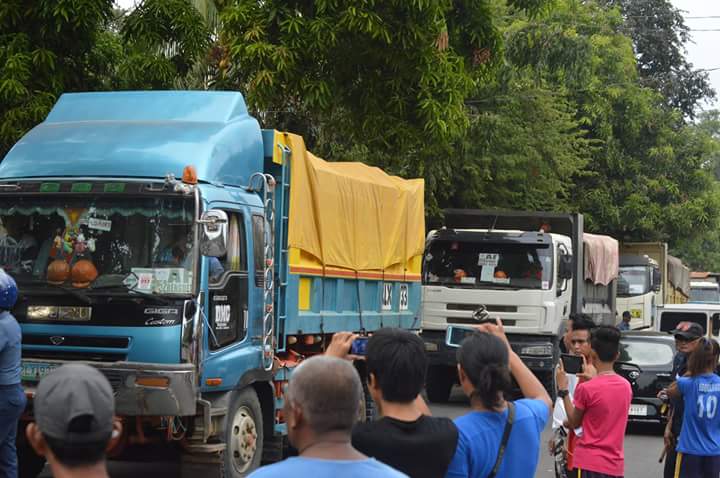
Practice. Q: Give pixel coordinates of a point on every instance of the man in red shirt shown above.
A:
(601, 407)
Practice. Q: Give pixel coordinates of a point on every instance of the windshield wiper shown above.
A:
(73, 292)
(130, 291)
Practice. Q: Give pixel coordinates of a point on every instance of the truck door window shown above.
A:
(235, 260)
(228, 288)
(670, 320)
(258, 224)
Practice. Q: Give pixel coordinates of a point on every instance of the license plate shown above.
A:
(639, 410)
(34, 371)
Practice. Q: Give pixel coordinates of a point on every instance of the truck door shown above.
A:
(227, 305)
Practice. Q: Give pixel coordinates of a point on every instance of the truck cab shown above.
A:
(531, 270)
(704, 292)
(639, 289)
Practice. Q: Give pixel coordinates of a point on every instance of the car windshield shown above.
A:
(482, 264)
(646, 353)
(83, 242)
(704, 294)
(634, 280)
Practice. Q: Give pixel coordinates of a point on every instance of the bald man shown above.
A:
(321, 407)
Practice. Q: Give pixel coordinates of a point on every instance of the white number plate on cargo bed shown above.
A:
(34, 371)
(638, 410)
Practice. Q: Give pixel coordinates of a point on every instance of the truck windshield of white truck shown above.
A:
(634, 280)
(143, 244)
(472, 264)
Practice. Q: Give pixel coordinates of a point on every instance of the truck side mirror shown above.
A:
(213, 235)
(656, 280)
(565, 270)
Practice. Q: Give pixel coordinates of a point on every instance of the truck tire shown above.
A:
(30, 464)
(243, 434)
(439, 383)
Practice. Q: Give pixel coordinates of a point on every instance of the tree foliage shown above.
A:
(566, 105)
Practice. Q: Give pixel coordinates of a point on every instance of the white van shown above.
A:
(707, 315)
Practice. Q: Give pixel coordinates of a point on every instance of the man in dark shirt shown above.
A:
(406, 437)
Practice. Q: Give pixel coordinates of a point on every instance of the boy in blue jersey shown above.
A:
(698, 448)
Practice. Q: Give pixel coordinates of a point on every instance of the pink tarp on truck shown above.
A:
(602, 258)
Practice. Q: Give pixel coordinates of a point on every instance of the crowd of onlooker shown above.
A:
(498, 437)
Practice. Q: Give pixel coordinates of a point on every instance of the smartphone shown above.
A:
(455, 335)
(359, 346)
(572, 363)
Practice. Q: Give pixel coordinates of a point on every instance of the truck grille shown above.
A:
(470, 320)
(76, 341)
(70, 356)
(489, 308)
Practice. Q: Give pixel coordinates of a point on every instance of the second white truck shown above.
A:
(532, 270)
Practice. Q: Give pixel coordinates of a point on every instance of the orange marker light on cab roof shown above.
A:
(189, 175)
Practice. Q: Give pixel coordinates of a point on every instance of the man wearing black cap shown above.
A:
(686, 340)
(74, 422)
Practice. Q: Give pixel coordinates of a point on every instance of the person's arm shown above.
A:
(530, 386)
(574, 415)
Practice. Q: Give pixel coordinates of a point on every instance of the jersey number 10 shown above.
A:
(707, 406)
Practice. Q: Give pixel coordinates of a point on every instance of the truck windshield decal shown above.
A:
(483, 264)
(84, 242)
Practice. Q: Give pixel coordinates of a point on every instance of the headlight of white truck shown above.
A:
(537, 350)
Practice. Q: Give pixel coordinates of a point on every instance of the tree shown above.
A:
(381, 82)
(659, 34)
(44, 46)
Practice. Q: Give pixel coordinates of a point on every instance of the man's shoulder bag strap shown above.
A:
(505, 438)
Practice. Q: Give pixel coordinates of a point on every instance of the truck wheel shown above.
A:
(439, 384)
(243, 434)
(30, 464)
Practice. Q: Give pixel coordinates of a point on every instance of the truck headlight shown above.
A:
(431, 347)
(537, 350)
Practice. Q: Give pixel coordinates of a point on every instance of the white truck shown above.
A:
(530, 269)
(649, 278)
(639, 289)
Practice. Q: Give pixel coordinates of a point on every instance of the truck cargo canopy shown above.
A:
(352, 215)
(601, 258)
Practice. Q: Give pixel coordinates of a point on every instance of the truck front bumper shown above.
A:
(141, 389)
(539, 353)
(438, 352)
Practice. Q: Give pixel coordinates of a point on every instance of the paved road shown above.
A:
(642, 448)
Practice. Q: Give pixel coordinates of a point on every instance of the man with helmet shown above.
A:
(12, 397)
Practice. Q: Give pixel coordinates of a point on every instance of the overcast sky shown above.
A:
(703, 52)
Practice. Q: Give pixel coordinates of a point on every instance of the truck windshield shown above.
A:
(82, 242)
(704, 294)
(634, 280)
(482, 264)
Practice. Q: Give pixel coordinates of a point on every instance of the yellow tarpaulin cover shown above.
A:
(352, 215)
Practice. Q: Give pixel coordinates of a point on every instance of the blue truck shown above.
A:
(195, 259)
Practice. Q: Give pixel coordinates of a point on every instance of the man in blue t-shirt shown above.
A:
(322, 404)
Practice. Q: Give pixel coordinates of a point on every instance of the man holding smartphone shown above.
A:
(561, 445)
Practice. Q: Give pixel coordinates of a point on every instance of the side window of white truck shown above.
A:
(228, 288)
